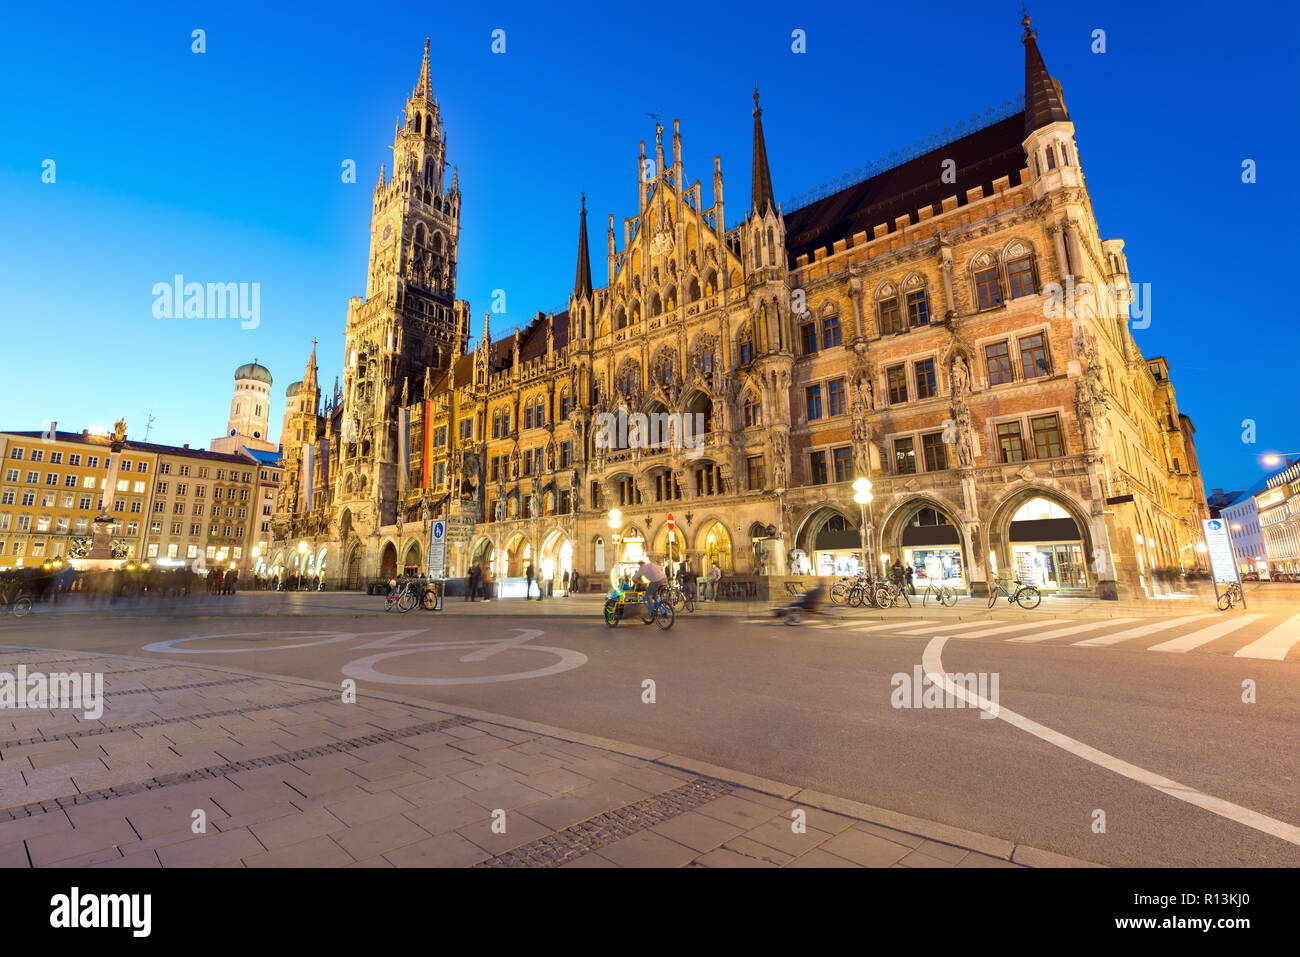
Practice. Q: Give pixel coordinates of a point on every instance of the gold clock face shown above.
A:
(388, 230)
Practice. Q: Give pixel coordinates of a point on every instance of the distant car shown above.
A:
(1250, 577)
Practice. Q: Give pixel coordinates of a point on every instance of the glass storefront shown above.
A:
(1050, 564)
(942, 565)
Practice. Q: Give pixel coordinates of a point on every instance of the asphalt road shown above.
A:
(812, 706)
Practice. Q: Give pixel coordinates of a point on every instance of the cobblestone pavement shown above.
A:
(207, 767)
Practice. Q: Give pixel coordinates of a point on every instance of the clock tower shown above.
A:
(409, 320)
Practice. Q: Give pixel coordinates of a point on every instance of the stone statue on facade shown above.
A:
(1087, 413)
(960, 377)
(963, 441)
(780, 456)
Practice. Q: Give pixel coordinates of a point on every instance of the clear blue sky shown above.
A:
(225, 166)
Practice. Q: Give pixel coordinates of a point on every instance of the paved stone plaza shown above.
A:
(287, 775)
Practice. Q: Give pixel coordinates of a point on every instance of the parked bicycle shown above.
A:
(1026, 596)
(677, 596)
(945, 595)
(1230, 595)
(890, 594)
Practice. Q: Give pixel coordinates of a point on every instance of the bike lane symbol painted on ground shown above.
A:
(364, 669)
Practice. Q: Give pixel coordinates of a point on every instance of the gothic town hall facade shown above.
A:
(954, 329)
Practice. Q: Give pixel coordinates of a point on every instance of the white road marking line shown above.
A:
(1139, 632)
(1203, 636)
(1276, 643)
(886, 625)
(936, 628)
(932, 660)
(1073, 629)
(1003, 628)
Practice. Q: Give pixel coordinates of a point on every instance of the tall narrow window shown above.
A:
(904, 456)
(936, 452)
(843, 462)
(814, 397)
(925, 384)
(987, 293)
(918, 308)
(818, 462)
(830, 332)
(1033, 356)
(997, 359)
(897, 377)
(808, 338)
(1009, 439)
(891, 320)
(1020, 277)
(835, 393)
(1047, 436)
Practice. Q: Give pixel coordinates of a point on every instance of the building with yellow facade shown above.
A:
(953, 329)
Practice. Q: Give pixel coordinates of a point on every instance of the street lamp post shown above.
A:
(862, 495)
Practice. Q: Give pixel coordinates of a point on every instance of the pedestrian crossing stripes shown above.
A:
(1190, 632)
(1276, 643)
(1163, 624)
(1070, 630)
(1203, 636)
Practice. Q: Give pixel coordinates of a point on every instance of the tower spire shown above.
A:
(1043, 101)
(762, 181)
(423, 88)
(582, 284)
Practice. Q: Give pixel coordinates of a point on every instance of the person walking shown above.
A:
(485, 581)
(575, 582)
(715, 576)
(471, 582)
(896, 573)
(565, 581)
(911, 588)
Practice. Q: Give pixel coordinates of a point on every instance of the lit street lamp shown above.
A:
(302, 553)
(862, 495)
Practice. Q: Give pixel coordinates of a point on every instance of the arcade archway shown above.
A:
(926, 537)
(714, 545)
(1044, 540)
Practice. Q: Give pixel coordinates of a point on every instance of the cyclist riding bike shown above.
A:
(655, 576)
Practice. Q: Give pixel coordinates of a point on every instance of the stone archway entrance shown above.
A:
(1043, 541)
(557, 558)
(926, 536)
(411, 559)
(831, 541)
(518, 554)
(714, 545)
(388, 561)
(354, 568)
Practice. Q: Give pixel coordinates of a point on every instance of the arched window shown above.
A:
(753, 411)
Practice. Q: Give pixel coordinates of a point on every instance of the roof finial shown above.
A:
(1024, 14)
(757, 109)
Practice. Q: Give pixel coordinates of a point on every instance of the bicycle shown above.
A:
(943, 594)
(1026, 596)
(890, 594)
(1231, 595)
(677, 596)
(404, 599)
(20, 605)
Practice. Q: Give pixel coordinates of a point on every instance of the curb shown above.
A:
(1023, 854)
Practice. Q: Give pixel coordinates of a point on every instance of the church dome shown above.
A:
(293, 389)
(251, 370)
